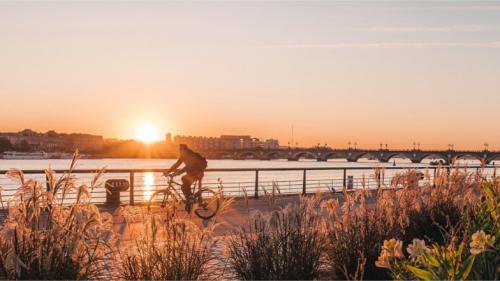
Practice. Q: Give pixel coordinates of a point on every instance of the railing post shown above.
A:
(47, 185)
(345, 179)
(256, 184)
(132, 188)
(304, 182)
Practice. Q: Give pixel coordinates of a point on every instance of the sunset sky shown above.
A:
(392, 72)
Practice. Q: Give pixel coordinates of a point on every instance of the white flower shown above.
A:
(479, 242)
(384, 260)
(417, 248)
(394, 248)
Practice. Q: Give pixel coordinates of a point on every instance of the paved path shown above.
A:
(235, 216)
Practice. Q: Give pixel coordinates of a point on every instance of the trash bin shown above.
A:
(113, 189)
(350, 182)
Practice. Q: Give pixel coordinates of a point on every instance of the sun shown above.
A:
(148, 134)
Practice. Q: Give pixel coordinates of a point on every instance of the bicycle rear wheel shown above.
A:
(207, 203)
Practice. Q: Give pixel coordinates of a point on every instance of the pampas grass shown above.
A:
(287, 245)
(42, 238)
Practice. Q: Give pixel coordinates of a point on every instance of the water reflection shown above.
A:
(148, 185)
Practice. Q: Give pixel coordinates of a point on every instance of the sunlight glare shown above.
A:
(148, 134)
(148, 181)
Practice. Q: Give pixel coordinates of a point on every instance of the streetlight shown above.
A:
(349, 145)
(486, 146)
(414, 144)
(355, 145)
(381, 144)
(418, 146)
(386, 147)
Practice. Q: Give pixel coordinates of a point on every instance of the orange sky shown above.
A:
(391, 73)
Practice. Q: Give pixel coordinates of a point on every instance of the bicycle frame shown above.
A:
(180, 195)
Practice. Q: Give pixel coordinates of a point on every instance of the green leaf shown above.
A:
(432, 261)
(466, 268)
(420, 273)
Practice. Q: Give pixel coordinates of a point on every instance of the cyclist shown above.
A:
(195, 165)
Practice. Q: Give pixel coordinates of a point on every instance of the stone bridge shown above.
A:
(353, 155)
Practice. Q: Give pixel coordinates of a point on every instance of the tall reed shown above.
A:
(44, 238)
(287, 245)
(169, 249)
(356, 228)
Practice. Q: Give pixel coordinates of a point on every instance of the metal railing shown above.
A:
(299, 180)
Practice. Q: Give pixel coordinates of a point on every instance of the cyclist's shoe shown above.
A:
(189, 202)
(188, 207)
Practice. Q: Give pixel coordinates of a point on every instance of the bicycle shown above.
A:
(205, 200)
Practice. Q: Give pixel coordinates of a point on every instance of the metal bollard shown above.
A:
(113, 189)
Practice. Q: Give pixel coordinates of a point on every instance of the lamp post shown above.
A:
(355, 145)
(486, 145)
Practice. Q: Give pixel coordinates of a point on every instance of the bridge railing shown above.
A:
(255, 182)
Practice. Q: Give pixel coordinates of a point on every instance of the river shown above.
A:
(234, 183)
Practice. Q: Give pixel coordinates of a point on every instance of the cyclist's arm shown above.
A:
(174, 167)
(181, 171)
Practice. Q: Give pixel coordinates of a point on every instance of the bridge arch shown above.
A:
(462, 156)
(367, 155)
(223, 155)
(433, 156)
(400, 155)
(275, 155)
(492, 158)
(247, 155)
(335, 156)
(303, 154)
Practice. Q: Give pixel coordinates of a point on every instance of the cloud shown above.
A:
(450, 28)
(388, 45)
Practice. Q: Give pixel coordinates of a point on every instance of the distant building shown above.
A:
(227, 142)
(267, 144)
(198, 143)
(168, 139)
(54, 142)
(236, 142)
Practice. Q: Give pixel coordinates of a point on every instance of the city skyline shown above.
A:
(337, 72)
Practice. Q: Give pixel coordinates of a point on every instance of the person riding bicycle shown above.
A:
(195, 165)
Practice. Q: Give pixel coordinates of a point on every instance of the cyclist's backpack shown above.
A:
(203, 163)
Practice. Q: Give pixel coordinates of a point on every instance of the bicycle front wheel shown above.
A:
(207, 203)
(159, 199)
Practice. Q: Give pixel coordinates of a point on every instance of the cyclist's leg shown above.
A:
(187, 181)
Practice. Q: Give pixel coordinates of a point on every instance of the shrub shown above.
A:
(355, 232)
(448, 262)
(357, 226)
(169, 249)
(42, 238)
(441, 206)
(287, 245)
(485, 216)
